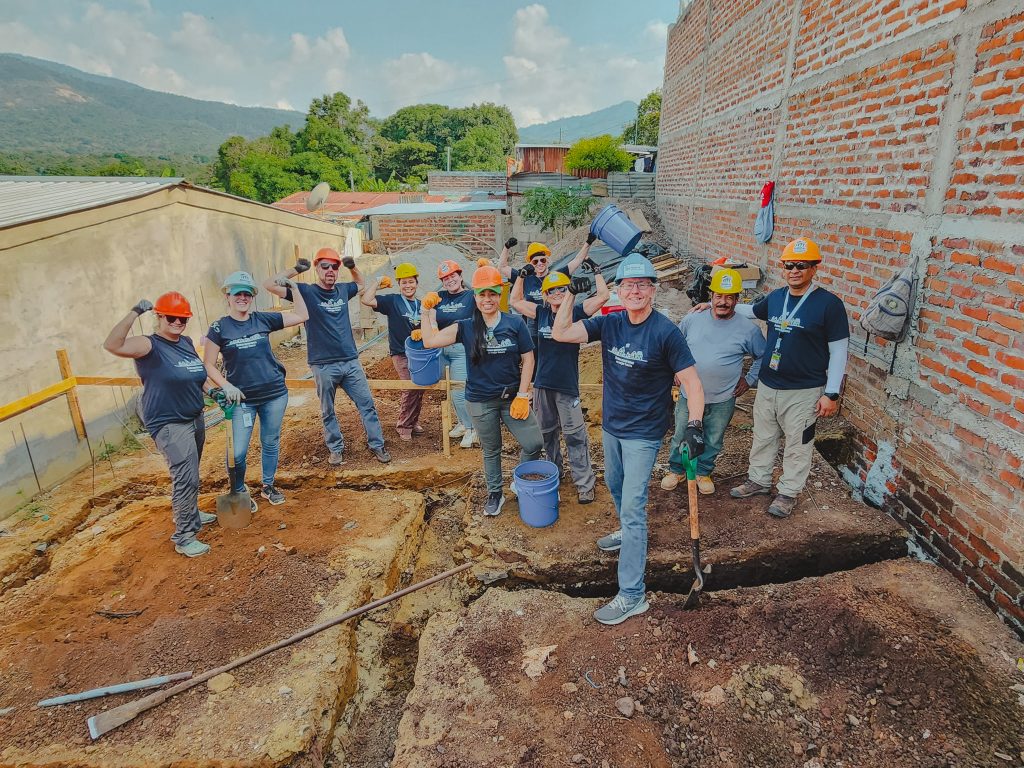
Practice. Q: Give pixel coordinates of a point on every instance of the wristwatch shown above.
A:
(695, 423)
(833, 396)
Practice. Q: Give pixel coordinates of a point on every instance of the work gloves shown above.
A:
(526, 270)
(416, 334)
(348, 262)
(301, 265)
(579, 284)
(511, 243)
(693, 437)
(591, 237)
(592, 265)
(481, 262)
(233, 394)
(385, 281)
(285, 282)
(520, 407)
(431, 300)
(142, 307)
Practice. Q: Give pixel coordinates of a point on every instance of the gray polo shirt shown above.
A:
(718, 347)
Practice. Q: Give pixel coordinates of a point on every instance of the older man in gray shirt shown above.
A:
(718, 340)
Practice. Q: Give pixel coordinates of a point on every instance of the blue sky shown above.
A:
(543, 60)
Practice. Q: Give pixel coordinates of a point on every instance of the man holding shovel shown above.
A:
(642, 353)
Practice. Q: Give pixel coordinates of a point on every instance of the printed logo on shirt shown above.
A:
(192, 364)
(499, 346)
(627, 357)
(536, 296)
(246, 342)
(545, 331)
(785, 325)
(334, 306)
(449, 309)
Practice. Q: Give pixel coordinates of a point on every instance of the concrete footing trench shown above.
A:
(818, 643)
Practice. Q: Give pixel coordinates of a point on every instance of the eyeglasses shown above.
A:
(541, 260)
(562, 289)
(242, 294)
(172, 319)
(625, 287)
(800, 266)
(328, 265)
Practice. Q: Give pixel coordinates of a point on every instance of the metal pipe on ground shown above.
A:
(109, 690)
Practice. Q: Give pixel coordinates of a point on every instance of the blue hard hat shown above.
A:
(635, 265)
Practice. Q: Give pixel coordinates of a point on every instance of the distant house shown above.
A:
(550, 158)
(348, 206)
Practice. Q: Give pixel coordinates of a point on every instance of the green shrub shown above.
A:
(599, 153)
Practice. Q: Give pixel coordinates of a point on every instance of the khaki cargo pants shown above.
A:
(788, 413)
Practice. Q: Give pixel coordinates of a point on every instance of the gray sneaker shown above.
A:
(272, 494)
(495, 501)
(749, 488)
(586, 497)
(381, 454)
(337, 457)
(253, 507)
(782, 506)
(194, 548)
(618, 610)
(610, 543)
(205, 518)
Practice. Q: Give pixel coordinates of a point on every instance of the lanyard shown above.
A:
(412, 310)
(786, 315)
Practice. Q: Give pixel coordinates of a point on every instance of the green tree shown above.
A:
(406, 158)
(479, 150)
(431, 123)
(644, 129)
(599, 153)
(556, 209)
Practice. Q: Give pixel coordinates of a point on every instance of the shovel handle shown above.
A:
(231, 447)
(691, 488)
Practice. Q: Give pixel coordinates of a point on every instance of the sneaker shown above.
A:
(704, 484)
(253, 506)
(749, 488)
(782, 506)
(469, 438)
(670, 481)
(404, 434)
(337, 457)
(458, 431)
(205, 518)
(586, 497)
(194, 548)
(381, 454)
(272, 494)
(610, 543)
(495, 501)
(418, 430)
(618, 610)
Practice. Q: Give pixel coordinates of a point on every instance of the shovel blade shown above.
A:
(234, 510)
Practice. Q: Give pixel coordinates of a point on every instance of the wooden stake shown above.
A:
(73, 404)
(446, 413)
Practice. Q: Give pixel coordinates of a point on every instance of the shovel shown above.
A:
(234, 510)
(693, 597)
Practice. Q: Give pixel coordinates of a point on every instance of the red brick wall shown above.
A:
(475, 231)
(892, 130)
(457, 183)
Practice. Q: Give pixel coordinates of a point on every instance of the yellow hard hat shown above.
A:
(536, 248)
(726, 281)
(802, 249)
(405, 269)
(554, 280)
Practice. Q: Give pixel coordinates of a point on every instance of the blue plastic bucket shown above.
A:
(424, 364)
(614, 227)
(538, 499)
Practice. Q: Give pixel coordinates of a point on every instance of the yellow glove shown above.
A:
(416, 335)
(483, 262)
(385, 281)
(431, 300)
(520, 407)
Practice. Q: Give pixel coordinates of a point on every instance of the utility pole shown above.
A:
(351, 181)
(448, 151)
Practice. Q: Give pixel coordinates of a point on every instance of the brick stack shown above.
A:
(476, 231)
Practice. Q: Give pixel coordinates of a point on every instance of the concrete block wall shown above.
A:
(480, 232)
(892, 130)
(458, 183)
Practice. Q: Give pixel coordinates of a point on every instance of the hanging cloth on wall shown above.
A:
(764, 224)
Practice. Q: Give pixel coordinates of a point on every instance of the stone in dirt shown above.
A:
(626, 706)
(221, 682)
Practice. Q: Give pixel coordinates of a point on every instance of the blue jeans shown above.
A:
(454, 355)
(716, 419)
(349, 376)
(627, 471)
(270, 414)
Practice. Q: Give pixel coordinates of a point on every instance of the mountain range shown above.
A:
(568, 129)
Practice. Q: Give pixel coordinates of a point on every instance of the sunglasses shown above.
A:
(172, 319)
(562, 289)
(328, 265)
(800, 266)
(541, 260)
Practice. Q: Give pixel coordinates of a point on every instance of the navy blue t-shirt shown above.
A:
(532, 284)
(329, 329)
(558, 362)
(640, 362)
(454, 307)
(403, 316)
(249, 361)
(172, 382)
(499, 368)
(803, 363)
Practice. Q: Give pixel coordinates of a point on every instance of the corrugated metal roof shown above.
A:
(31, 198)
(420, 208)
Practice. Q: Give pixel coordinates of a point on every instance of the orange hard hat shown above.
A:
(327, 254)
(447, 267)
(487, 279)
(174, 304)
(802, 249)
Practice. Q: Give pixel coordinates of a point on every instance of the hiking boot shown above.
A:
(469, 438)
(457, 431)
(749, 488)
(404, 434)
(495, 501)
(381, 454)
(619, 609)
(272, 494)
(610, 543)
(205, 518)
(670, 481)
(194, 548)
(586, 497)
(782, 506)
(337, 457)
(705, 485)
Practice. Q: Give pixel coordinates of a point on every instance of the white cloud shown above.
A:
(417, 77)
(656, 33)
(198, 39)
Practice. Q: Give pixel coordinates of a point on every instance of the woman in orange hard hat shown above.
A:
(402, 310)
(173, 379)
(500, 369)
(456, 303)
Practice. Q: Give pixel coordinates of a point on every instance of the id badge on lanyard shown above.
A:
(783, 327)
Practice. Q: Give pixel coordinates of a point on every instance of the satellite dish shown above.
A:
(318, 197)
